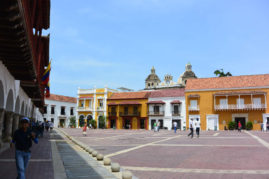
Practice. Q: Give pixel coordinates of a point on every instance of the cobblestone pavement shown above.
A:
(215, 154)
(40, 165)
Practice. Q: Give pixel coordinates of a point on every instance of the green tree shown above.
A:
(220, 73)
(72, 121)
(102, 122)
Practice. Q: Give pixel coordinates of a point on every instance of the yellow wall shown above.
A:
(206, 104)
(143, 108)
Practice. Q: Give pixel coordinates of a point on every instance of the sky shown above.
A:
(115, 43)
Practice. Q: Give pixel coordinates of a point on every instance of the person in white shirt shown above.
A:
(197, 127)
(191, 128)
(175, 126)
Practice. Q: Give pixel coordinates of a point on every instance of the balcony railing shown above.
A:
(240, 107)
(112, 113)
(176, 113)
(155, 113)
(84, 109)
(100, 108)
(194, 108)
(129, 113)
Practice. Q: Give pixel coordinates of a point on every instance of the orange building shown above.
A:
(217, 101)
(128, 110)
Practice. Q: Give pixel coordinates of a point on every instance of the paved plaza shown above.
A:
(164, 154)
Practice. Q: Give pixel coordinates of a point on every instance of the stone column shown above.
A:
(2, 115)
(8, 127)
(15, 124)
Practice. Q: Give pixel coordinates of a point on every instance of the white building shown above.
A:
(167, 106)
(58, 109)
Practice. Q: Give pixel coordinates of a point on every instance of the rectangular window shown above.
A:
(176, 109)
(113, 109)
(52, 120)
(135, 110)
(52, 110)
(193, 103)
(240, 101)
(101, 103)
(44, 119)
(45, 109)
(156, 109)
(71, 111)
(223, 102)
(62, 110)
(81, 104)
(125, 110)
(257, 101)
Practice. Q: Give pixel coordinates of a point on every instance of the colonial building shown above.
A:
(128, 110)
(217, 101)
(167, 106)
(153, 81)
(24, 54)
(92, 104)
(59, 109)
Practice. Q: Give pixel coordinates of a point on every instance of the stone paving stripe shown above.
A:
(263, 142)
(216, 134)
(31, 160)
(140, 146)
(202, 145)
(189, 170)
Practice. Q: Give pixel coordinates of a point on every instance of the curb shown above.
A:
(113, 168)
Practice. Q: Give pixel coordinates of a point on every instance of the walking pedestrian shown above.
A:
(239, 126)
(158, 125)
(22, 138)
(262, 127)
(84, 129)
(175, 126)
(197, 127)
(155, 126)
(191, 128)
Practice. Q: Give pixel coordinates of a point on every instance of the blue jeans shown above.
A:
(175, 128)
(22, 159)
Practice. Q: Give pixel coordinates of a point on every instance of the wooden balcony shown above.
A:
(156, 113)
(227, 107)
(112, 113)
(175, 113)
(194, 108)
(130, 114)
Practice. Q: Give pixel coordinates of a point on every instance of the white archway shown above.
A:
(2, 95)
(22, 109)
(10, 101)
(17, 105)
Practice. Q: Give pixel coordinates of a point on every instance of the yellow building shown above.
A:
(92, 104)
(217, 101)
(128, 110)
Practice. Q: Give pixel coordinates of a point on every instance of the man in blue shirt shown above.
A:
(22, 138)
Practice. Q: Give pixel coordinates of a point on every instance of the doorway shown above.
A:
(152, 123)
(161, 123)
(127, 124)
(242, 121)
(142, 123)
(112, 123)
(62, 123)
(178, 121)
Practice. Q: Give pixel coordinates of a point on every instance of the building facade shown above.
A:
(23, 57)
(217, 101)
(59, 109)
(92, 104)
(128, 110)
(167, 106)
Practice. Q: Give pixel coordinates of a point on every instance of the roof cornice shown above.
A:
(220, 89)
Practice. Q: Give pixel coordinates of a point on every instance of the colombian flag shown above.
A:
(45, 80)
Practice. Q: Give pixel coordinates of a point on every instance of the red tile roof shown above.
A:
(228, 82)
(176, 92)
(130, 95)
(156, 102)
(68, 99)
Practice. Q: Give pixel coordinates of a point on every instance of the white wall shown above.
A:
(167, 118)
(57, 111)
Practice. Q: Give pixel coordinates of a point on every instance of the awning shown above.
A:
(112, 104)
(176, 102)
(129, 103)
(156, 102)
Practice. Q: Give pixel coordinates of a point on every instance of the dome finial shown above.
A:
(153, 70)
